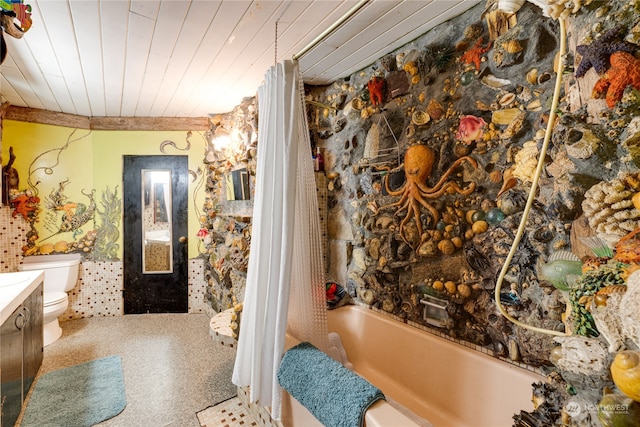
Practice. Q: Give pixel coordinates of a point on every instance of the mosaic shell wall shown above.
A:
(225, 232)
(430, 154)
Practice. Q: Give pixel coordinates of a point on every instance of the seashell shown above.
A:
(357, 104)
(446, 246)
(410, 131)
(411, 68)
(46, 249)
(509, 6)
(480, 227)
(544, 77)
(435, 110)
(507, 99)
(504, 117)
(61, 246)
(464, 290)
(420, 118)
(332, 175)
(422, 97)
(532, 76)
(514, 127)
(450, 286)
(495, 176)
(372, 143)
(512, 46)
(482, 106)
(367, 296)
(494, 82)
(534, 105)
(625, 371)
(415, 79)
(524, 93)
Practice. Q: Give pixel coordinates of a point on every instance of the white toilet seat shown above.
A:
(53, 298)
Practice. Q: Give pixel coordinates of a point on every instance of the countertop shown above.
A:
(15, 288)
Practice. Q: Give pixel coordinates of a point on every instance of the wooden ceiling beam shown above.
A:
(34, 115)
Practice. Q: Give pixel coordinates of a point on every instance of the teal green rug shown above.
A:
(78, 396)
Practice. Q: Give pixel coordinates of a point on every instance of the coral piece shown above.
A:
(583, 356)
(418, 163)
(624, 71)
(474, 55)
(629, 313)
(609, 208)
(376, 90)
(526, 162)
(597, 54)
(563, 8)
(607, 320)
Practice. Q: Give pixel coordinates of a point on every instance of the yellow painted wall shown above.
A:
(93, 160)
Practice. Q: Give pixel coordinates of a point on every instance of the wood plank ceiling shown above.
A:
(194, 58)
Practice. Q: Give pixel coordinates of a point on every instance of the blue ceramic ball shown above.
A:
(494, 216)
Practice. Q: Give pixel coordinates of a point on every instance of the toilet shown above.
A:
(60, 276)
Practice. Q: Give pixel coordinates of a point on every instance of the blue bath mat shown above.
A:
(78, 396)
(336, 396)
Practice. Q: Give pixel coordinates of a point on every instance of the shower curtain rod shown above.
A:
(329, 30)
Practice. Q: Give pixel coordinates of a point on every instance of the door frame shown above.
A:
(154, 292)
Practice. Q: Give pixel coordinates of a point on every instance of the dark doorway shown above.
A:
(155, 227)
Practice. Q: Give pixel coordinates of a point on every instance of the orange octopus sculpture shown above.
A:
(418, 164)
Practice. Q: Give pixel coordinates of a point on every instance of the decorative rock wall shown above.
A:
(226, 224)
(431, 153)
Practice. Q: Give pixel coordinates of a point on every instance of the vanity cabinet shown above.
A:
(21, 351)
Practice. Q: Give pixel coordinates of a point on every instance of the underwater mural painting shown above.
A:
(55, 191)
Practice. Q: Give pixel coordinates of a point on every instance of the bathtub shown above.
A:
(445, 383)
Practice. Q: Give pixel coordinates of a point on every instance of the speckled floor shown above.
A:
(172, 368)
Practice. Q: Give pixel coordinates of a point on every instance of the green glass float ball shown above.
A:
(478, 215)
(494, 216)
(466, 78)
(440, 226)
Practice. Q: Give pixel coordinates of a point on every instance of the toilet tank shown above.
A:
(60, 271)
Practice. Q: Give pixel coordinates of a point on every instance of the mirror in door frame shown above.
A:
(157, 256)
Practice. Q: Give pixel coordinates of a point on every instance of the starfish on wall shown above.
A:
(624, 71)
(597, 54)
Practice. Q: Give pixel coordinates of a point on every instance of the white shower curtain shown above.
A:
(285, 278)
